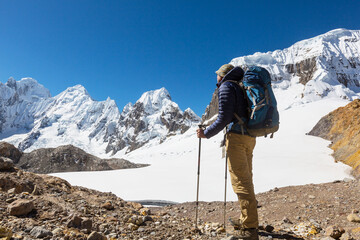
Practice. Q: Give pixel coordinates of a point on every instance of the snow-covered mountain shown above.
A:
(30, 118)
(153, 116)
(324, 66)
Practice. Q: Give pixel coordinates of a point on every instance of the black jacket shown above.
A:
(231, 99)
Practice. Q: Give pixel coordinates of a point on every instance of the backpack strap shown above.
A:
(241, 122)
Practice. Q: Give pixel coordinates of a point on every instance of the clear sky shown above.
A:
(122, 48)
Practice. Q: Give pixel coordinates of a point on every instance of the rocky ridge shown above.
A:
(342, 128)
(61, 159)
(34, 206)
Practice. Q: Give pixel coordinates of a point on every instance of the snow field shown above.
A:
(290, 158)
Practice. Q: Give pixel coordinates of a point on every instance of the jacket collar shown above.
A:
(235, 74)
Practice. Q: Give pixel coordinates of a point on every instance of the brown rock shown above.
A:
(136, 205)
(10, 151)
(145, 211)
(96, 236)
(346, 236)
(75, 222)
(108, 206)
(20, 207)
(353, 217)
(86, 224)
(334, 232)
(6, 164)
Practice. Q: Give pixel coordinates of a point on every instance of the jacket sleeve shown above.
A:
(227, 102)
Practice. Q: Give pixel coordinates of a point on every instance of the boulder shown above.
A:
(20, 207)
(40, 232)
(6, 164)
(353, 217)
(96, 236)
(108, 206)
(10, 151)
(334, 232)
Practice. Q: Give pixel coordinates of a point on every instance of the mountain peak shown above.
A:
(155, 96)
(154, 100)
(78, 88)
(27, 89)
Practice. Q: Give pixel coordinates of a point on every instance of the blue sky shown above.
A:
(123, 48)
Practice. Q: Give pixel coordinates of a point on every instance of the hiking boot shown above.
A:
(241, 232)
(247, 234)
(236, 223)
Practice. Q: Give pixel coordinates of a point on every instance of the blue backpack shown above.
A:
(263, 116)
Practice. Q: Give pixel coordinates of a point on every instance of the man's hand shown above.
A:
(200, 133)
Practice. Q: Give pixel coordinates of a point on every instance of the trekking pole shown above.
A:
(198, 179)
(225, 191)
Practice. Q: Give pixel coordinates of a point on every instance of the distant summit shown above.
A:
(153, 116)
(324, 66)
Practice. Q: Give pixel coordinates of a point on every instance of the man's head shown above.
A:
(224, 69)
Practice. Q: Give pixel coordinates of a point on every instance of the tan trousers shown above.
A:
(239, 149)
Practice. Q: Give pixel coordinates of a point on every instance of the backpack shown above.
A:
(263, 116)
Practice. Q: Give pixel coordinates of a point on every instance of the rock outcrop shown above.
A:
(213, 108)
(10, 151)
(61, 159)
(342, 128)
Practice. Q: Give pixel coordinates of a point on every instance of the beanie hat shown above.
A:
(224, 69)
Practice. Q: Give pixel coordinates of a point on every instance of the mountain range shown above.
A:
(30, 118)
(326, 66)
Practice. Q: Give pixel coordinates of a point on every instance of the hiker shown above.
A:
(239, 147)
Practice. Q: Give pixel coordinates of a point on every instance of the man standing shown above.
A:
(239, 147)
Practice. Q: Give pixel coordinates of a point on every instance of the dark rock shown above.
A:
(213, 108)
(6, 164)
(305, 69)
(75, 222)
(269, 228)
(86, 224)
(10, 151)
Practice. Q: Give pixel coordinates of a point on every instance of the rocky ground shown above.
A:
(36, 206)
